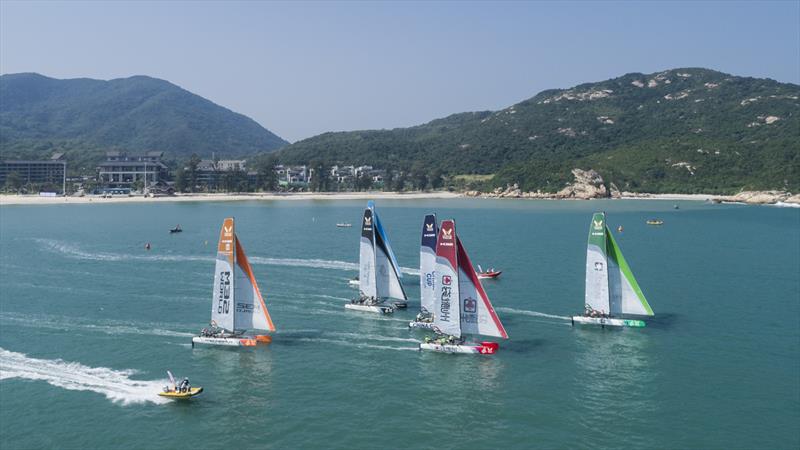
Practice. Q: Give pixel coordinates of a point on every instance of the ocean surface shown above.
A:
(90, 321)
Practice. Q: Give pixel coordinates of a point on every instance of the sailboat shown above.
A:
(611, 289)
(461, 306)
(427, 274)
(379, 275)
(236, 303)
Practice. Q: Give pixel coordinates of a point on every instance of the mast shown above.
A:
(223, 295)
(596, 295)
(427, 264)
(447, 311)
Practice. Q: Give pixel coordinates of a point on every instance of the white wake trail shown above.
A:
(115, 385)
(530, 313)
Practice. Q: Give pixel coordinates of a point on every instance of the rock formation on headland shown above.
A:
(588, 184)
(761, 197)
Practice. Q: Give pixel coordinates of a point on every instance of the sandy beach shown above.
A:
(6, 200)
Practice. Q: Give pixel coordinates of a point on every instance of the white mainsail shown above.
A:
(237, 303)
(427, 264)
(366, 259)
(596, 295)
(379, 275)
(222, 311)
(446, 312)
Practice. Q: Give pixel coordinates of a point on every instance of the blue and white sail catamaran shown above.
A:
(427, 273)
(379, 274)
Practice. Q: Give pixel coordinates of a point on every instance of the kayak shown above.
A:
(181, 395)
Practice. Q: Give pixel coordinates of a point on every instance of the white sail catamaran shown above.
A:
(611, 289)
(379, 275)
(461, 306)
(236, 304)
(427, 274)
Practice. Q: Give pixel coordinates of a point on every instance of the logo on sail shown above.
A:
(367, 221)
(447, 233)
(598, 224)
(470, 305)
(446, 280)
(227, 231)
(429, 226)
(598, 266)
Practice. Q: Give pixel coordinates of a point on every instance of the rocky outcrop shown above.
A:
(760, 197)
(588, 184)
(794, 199)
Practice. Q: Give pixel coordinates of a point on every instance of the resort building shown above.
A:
(121, 170)
(52, 171)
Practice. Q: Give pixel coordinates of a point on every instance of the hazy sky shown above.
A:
(300, 69)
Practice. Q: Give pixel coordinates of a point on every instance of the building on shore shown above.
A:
(45, 172)
(121, 170)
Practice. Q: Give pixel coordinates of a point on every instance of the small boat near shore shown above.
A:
(488, 274)
(177, 229)
(184, 391)
(344, 225)
(612, 293)
(236, 301)
(655, 222)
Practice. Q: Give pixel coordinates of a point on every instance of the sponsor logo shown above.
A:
(598, 266)
(447, 233)
(598, 224)
(446, 280)
(226, 231)
(447, 292)
(368, 221)
(429, 279)
(470, 305)
(245, 308)
(429, 226)
(224, 293)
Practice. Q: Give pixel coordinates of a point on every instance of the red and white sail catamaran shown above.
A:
(236, 304)
(461, 306)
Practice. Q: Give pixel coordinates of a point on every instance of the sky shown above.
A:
(304, 68)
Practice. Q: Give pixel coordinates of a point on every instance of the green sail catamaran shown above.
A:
(612, 292)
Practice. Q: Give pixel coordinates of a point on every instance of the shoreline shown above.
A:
(11, 199)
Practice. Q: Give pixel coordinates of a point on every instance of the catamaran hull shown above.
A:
(421, 325)
(484, 348)
(354, 283)
(224, 341)
(607, 321)
(400, 305)
(381, 309)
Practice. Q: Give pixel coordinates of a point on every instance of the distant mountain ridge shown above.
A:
(680, 130)
(39, 115)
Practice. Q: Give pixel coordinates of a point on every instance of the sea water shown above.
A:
(90, 321)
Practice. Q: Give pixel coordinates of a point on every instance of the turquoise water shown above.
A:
(90, 321)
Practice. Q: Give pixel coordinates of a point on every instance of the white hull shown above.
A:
(224, 341)
(475, 349)
(381, 309)
(354, 283)
(607, 321)
(421, 325)
(400, 305)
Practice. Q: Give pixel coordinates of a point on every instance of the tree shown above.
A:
(267, 178)
(191, 169)
(181, 180)
(13, 182)
(436, 178)
(419, 176)
(320, 177)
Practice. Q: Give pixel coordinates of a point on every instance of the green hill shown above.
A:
(84, 117)
(681, 130)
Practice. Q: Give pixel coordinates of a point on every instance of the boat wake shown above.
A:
(115, 385)
(531, 313)
(72, 324)
(372, 337)
(73, 251)
(357, 344)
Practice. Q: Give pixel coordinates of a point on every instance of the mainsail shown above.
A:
(379, 231)
(611, 287)
(427, 264)
(461, 306)
(379, 274)
(237, 303)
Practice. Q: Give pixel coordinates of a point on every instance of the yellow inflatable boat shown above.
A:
(181, 395)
